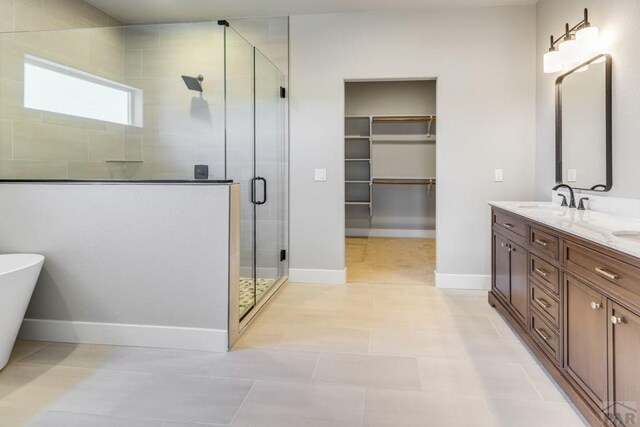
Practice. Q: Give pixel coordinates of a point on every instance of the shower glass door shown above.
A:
(240, 153)
(255, 151)
(270, 175)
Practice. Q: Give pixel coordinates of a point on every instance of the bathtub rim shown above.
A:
(34, 260)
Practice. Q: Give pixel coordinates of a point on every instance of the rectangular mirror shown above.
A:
(583, 126)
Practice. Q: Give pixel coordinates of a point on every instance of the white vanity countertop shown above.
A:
(597, 227)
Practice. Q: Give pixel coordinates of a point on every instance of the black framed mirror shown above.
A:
(583, 126)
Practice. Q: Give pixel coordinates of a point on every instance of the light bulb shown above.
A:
(568, 52)
(588, 39)
(552, 62)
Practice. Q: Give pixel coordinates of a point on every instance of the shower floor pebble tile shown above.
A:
(319, 355)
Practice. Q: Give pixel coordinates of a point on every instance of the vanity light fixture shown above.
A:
(576, 44)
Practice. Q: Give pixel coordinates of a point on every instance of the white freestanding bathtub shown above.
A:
(18, 276)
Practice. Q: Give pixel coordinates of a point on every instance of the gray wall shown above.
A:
(618, 24)
(486, 119)
(125, 254)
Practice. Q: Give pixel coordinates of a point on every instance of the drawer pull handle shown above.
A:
(606, 273)
(541, 242)
(542, 303)
(596, 305)
(506, 224)
(616, 320)
(541, 272)
(542, 334)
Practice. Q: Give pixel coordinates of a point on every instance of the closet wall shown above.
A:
(387, 149)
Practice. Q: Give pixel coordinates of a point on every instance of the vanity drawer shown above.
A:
(545, 335)
(543, 242)
(613, 275)
(544, 303)
(546, 274)
(507, 222)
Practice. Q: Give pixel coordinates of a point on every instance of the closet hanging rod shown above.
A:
(404, 119)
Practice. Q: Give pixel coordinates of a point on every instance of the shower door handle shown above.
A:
(264, 199)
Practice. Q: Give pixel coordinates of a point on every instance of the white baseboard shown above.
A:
(463, 281)
(380, 232)
(331, 277)
(213, 340)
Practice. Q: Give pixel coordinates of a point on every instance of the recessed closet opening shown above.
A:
(390, 181)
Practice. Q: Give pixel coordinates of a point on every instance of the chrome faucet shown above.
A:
(572, 196)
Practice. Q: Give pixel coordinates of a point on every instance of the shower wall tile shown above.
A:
(133, 63)
(6, 17)
(105, 146)
(42, 141)
(6, 139)
(26, 169)
(133, 147)
(142, 37)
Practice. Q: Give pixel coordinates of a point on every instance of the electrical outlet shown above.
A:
(320, 175)
(572, 175)
(498, 175)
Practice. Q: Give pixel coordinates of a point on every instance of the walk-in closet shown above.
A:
(390, 180)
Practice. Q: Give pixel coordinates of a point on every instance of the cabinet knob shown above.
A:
(596, 305)
(616, 320)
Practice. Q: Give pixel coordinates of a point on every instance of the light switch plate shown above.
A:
(572, 175)
(320, 175)
(499, 176)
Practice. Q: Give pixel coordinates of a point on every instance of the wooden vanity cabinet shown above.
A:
(576, 304)
(510, 267)
(585, 331)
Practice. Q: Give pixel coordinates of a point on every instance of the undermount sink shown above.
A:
(628, 235)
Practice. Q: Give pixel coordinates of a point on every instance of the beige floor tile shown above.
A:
(462, 325)
(510, 413)
(277, 365)
(24, 348)
(288, 404)
(417, 343)
(368, 371)
(476, 379)
(325, 339)
(394, 408)
(75, 355)
(38, 386)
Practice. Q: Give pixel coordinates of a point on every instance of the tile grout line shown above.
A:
(242, 403)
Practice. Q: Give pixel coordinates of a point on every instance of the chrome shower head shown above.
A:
(194, 83)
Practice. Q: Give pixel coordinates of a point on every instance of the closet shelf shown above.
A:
(357, 182)
(356, 137)
(404, 138)
(404, 181)
(404, 119)
(358, 203)
(357, 160)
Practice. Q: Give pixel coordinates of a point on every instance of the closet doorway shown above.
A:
(390, 181)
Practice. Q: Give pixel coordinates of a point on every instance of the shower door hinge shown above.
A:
(283, 255)
(223, 22)
(283, 92)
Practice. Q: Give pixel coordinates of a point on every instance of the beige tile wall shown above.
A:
(36, 144)
(179, 131)
(181, 127)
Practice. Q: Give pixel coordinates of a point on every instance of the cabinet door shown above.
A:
(586, 326)
(624, 374)
(519, 279)
(501, 280)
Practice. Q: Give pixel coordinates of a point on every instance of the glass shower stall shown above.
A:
(160, 102)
